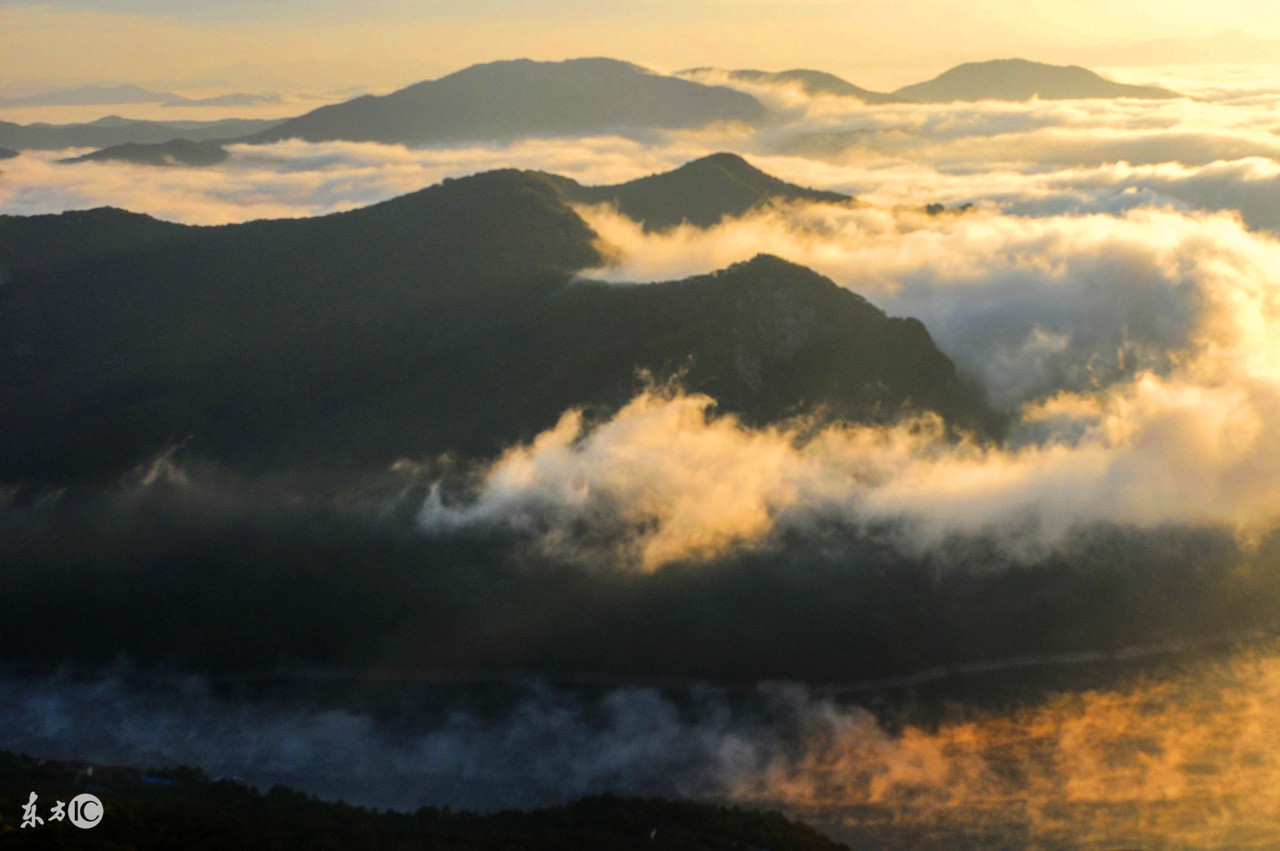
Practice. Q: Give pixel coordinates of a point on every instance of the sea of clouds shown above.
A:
(1114, 287)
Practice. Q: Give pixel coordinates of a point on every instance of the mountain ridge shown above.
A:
(175, 152)
(701, 192)
(993, 79)
(1021, 80)
(494, 101)
(113, 130)
(451, 319)
(520, 98)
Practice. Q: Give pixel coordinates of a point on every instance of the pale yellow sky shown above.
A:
(327, 45)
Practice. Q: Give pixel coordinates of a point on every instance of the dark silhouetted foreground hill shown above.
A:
(182, 808)
(106, 132)
(442, 320)
(701, 192)
(811, 82)
(1020, 79)
(176, 152)
(507, 100)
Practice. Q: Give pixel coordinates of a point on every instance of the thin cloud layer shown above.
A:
(295, 179)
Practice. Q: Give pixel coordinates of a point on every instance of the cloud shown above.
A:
(688, 486)
(1140, 352)
(1030, 305)
(295, 179)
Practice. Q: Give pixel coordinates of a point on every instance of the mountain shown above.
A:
(102, 95)
(507, 100)
(233, 99)
(450, 319)
(1018, 80)
(176, 152)
(701, 192)
(85, 96)
(6, 154)
(811, 82)
(113, 130)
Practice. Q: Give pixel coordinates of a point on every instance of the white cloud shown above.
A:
(1144, 349)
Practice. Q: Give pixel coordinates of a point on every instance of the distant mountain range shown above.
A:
(176, 152)
(520, 98)
(113, 130)
(448, 319)
(999, 79)
(6, 154)
(105, 95)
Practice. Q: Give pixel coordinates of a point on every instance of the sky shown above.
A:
(333, 45)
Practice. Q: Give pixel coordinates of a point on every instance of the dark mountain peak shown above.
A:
(1022, 79)
(701, 192)
(171, 153)
(768, 338)
(768, 273)
(723, 159)
(111, 120)
(772, 266)
(520, 97)
(729, 165)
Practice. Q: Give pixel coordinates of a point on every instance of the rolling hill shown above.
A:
(507, 100)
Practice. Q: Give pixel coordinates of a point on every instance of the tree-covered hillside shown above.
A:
(450, 319)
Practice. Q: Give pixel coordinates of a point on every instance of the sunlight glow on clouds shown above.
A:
(1143, 350)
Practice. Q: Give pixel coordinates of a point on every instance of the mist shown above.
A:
(1181, 755)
